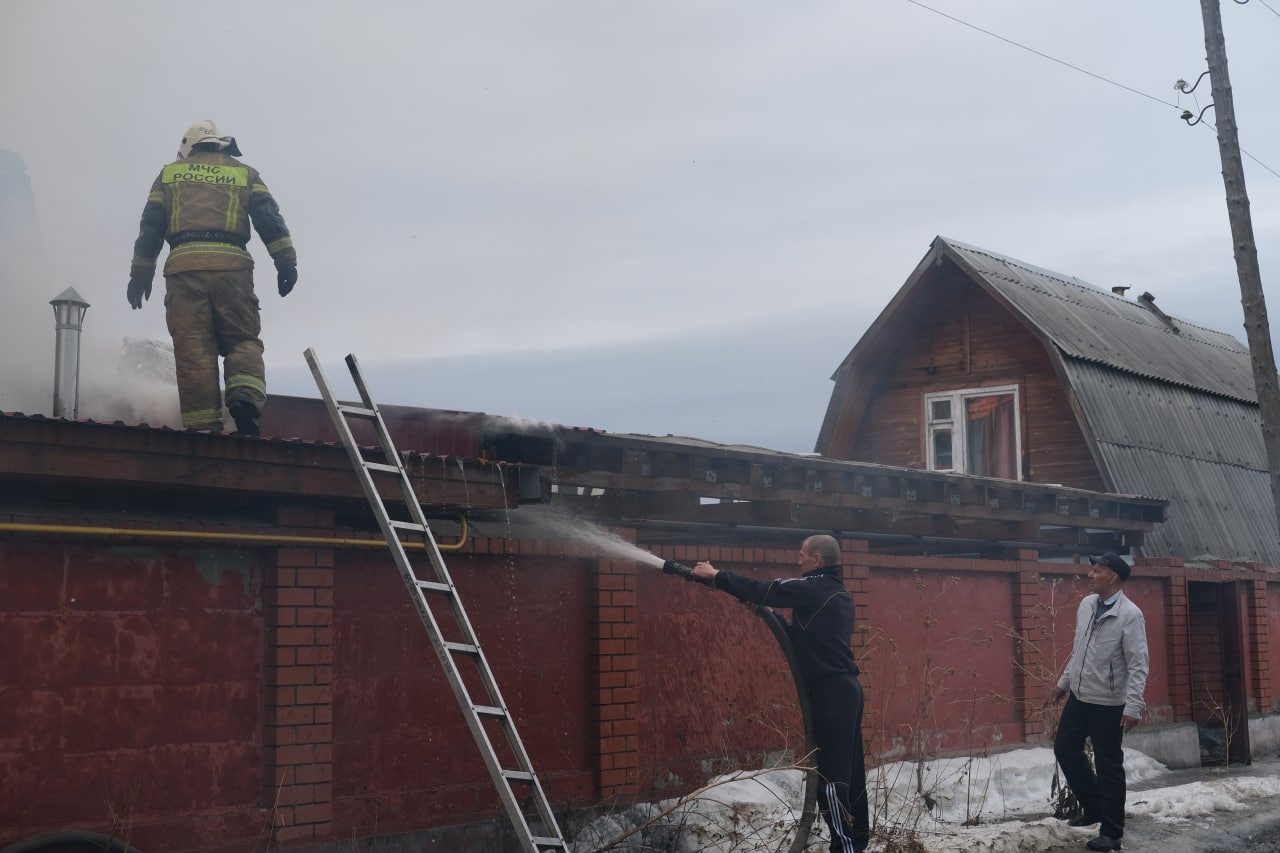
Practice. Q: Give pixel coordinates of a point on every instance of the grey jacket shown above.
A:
(1109, 660)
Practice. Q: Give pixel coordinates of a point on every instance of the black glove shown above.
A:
(139, 289)
(286, 277)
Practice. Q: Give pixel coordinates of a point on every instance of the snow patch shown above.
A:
(1197, 799)
(1001, 798)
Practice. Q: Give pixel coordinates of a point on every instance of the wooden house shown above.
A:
(986, 365)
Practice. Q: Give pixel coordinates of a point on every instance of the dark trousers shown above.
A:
(1101, 795)
(835, 703)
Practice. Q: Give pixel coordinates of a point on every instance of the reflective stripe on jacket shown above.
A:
(209, 191)
(1109, 659)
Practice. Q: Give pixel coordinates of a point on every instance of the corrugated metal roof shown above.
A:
(1132, 411)
(228, 436)
(1202, 452)
(1086, 322)
(1215, 510)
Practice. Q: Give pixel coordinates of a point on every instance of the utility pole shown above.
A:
(1257, 328)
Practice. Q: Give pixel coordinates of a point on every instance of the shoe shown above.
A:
(1083, 820)
(246, 416)
(1103, 842)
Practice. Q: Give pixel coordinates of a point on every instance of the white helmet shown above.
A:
(206, 131)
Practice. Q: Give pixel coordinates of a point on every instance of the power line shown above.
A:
(1044, 55)
(1084, 71)
(1214, 128)
(1260, 163)
(1264, 3)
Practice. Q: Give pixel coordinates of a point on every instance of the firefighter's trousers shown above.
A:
(214, 313)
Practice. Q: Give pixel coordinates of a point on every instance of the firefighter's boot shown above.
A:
(246, 416)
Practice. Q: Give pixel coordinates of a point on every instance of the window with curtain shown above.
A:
(974, 431)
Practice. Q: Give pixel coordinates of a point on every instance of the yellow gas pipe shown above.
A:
(209, 536)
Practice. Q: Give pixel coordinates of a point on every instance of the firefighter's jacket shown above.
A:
(202, 206)
(821, 626)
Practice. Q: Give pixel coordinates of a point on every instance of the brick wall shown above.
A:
(1176, 616)
(1260, 660)
(1034, 667)
(249, 724)
(298, 683)
(855, 569)
(616, 673)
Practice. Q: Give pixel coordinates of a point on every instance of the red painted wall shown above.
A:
(1060, 597)
(403, 755)
(1149, 595)
(716, 690)
(939, 659)
(132, 679)
(129, 697)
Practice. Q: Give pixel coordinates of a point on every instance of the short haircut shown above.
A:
(825, 547)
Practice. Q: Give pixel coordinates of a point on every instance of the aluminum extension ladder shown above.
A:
(505, 779)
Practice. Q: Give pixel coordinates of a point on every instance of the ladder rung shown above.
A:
(462, 648)
(382, 466)
(488, 711)
(435, 587)
(411, 526)
(549, 843)
(517, 775)
(357, 411)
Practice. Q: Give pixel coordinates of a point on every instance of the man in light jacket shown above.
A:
(1103, 684)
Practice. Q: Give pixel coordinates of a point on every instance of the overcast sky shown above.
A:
(655, 217)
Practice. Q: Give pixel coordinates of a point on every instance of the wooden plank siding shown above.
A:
(956, 336)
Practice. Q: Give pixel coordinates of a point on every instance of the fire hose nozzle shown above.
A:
(671, 567)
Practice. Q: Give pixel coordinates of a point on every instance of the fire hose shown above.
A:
(70, 839)
(809, 810)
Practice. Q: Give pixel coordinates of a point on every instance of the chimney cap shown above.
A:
(69, 295)
(1119, 289)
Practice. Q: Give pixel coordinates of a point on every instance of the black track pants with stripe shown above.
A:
(836, 705)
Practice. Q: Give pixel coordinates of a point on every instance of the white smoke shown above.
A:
(138, 386)
(26, 318)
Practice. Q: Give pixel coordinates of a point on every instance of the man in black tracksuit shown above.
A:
(821, 630)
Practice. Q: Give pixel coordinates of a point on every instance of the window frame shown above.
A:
(956, 423)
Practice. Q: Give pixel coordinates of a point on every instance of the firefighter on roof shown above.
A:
(202, 205)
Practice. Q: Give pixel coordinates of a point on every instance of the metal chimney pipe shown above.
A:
(68, 310)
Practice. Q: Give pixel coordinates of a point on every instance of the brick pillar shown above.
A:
(855, 570)
(617, 741)
(298, 675)
(1260, 635)
(1177, 631)
(1034, 676)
